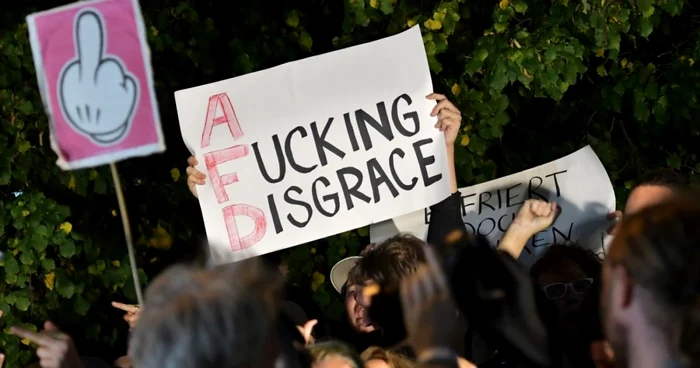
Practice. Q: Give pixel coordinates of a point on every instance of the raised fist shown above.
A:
(98, 96)
(535, 216)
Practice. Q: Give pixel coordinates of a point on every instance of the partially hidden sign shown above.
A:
(315, 147)
(93, 69)
(578, 183)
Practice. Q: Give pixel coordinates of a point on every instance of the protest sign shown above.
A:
(578, 183)
(93, 69)
(315, 147)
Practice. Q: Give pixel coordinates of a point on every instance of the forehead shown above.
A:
(566, 270)
(646, 196)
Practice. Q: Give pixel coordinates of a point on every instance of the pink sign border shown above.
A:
(108, 157)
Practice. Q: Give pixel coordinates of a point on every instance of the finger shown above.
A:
(90, 41)
(617, 215)
(50, 362)
(50, 327)
(450, 115)
(125, 307)
(309, 328)
(2, 360)
(436, 96)
(449, 106)
(192, 161)
(192, 179)
(0, 313)
(35, 337)
(440, 105)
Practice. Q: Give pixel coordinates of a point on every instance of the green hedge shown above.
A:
(535, 80)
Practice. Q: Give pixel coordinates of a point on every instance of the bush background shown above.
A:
(535, 80)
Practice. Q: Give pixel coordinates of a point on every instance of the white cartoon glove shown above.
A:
(97, 94)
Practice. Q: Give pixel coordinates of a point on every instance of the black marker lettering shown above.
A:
(290, 154)
(328, 197)
(377, 177)
(384, 128)
(392, 167)
(423, 162)
(280, 161)
(348, 192)
(290, 200)
(322, 144)
(409, 115)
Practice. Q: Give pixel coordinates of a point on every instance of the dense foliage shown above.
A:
(535, 80)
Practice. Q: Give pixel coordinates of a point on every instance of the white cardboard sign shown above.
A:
(315, 147)
(578, 183)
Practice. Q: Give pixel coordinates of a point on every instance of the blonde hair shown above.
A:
(335, 349)
(393, 359)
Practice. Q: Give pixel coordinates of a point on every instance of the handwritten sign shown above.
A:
(93, 68)
(578, 183)
(315, 147)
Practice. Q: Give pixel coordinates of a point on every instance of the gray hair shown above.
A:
(222, 317)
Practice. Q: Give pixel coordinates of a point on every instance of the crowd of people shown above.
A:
(453, 301)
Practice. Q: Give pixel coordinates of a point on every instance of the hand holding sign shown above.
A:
(97, 95)
(56, 349)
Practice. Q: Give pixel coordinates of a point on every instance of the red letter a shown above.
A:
(238, 243)
(229, 117)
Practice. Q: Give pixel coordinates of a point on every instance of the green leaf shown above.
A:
(481, 54)
(293, 19)
(306, 41)
(500, 27)
(22, 303)
(474, 66)
(11, 266)
(68, 248)
(27, 258)
(63, 284)
(23, 146)
(81, 305)
(674, 161)
(26, 107)
(520, 6)
(645, 27)
(434, 64)
(48, 264)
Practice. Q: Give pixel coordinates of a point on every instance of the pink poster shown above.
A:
(93, 67)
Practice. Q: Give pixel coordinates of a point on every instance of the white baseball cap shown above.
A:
(340, 272)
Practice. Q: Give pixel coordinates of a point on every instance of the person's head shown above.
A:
(386, 264)
(653, 188)
(223, 317)
(651, 283)
(334, 354)
(566, 273)
(376, 357)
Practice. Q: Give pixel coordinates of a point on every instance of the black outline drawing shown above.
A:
(103, 138)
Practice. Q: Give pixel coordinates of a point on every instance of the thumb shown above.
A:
(309, 326)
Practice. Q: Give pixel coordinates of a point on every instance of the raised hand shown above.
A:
(56, 349)
(194, 176)
(98, 96)
(133, 312)
(307, 331)
(535, 215)
(449, 117)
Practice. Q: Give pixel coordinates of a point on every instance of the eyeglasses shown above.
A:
(558, 290)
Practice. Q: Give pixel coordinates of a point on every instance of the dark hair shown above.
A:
(390, 261)
(660, 249)
(664, 178)
(552, 258)
(207, 318)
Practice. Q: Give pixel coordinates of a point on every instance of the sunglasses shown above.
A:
(558, 290)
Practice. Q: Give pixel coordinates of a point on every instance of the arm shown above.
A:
(446, 216)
